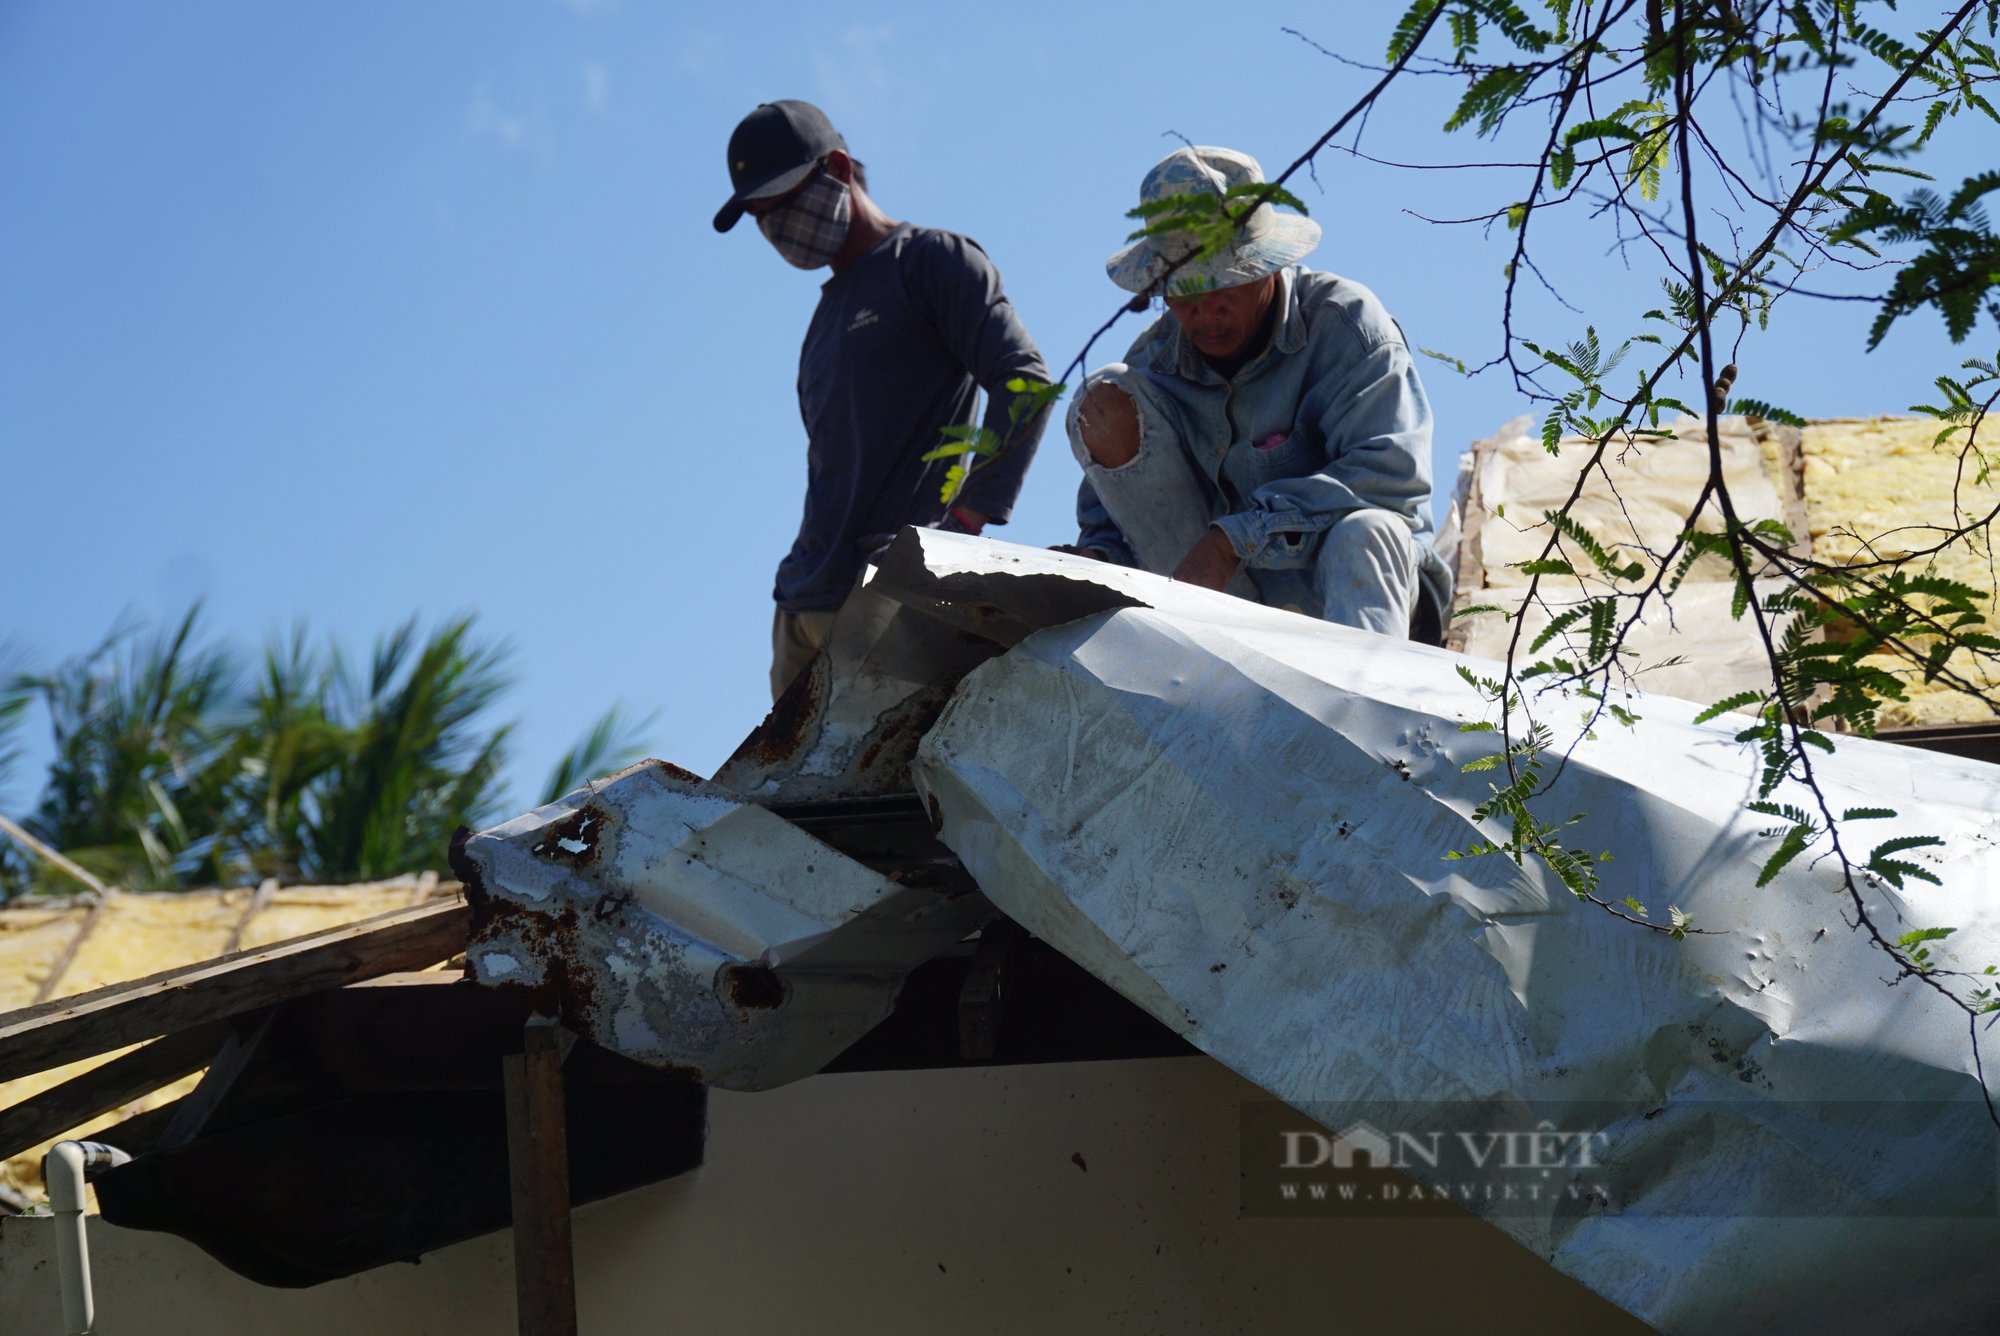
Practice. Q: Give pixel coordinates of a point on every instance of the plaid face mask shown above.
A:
(810, 230)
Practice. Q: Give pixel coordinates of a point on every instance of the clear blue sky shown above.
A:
(347, 311)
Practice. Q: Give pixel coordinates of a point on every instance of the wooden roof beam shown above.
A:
(36, 1038)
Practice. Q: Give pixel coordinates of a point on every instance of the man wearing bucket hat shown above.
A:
(912, 325)
(1268, 435)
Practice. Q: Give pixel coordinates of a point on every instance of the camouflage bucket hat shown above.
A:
(1266, 243)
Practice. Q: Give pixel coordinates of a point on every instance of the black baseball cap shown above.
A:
(774, 148)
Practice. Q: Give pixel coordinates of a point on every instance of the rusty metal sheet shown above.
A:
(676, 924)
(850, 723)
(684, 924)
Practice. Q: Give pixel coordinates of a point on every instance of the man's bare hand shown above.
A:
(1210, 562)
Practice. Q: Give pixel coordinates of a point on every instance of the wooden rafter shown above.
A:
(538, 1176)
(54, 1033)
(101, 1089)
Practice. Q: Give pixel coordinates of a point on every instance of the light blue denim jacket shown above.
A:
(1337, 384)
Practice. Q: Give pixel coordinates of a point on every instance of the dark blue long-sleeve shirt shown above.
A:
(903, 340)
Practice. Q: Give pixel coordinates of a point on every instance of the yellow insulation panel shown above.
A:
(135, 935)
(303, 909)
(1849, 487)
(31, 942)
(1883, 486)
(1637, 504)
(1716, 656)
(139, 935)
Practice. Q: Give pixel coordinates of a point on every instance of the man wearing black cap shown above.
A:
(912, 325)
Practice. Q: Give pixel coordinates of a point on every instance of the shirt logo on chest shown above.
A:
(862, 319)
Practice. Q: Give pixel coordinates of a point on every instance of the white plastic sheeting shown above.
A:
(1238, 818)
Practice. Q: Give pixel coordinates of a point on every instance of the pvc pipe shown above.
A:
(65, 1169)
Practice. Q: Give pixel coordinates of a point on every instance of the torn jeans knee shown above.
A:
(1107, 424)
(1157, 500)
(1119, 378)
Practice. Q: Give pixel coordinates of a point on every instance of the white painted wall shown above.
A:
(943, 1201)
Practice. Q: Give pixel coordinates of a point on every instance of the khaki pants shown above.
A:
(795, 638)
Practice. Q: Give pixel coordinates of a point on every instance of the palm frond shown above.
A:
(613, 742)
(419, 763)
